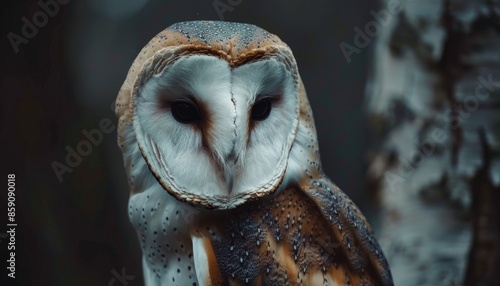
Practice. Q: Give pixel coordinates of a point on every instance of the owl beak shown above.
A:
(230, 171)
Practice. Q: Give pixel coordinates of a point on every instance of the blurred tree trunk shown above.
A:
(434, 105)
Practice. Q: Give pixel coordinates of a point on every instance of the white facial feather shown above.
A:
(230, 156)
(180, 147)
(263, 150)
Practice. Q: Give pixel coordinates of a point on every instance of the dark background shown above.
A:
(64, 81)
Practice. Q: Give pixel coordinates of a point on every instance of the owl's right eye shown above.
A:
(261, 110)
(185, 112)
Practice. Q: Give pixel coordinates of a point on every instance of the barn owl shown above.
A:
(226, 184)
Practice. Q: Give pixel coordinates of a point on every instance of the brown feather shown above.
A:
(294, 236)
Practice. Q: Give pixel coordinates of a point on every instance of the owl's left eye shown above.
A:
(185, 112)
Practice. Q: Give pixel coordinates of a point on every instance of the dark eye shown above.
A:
(261, 109)
(185, 112)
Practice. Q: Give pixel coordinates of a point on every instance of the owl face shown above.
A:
(216, 113)
(217, 134)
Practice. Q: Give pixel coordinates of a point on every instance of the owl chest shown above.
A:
(162, 226)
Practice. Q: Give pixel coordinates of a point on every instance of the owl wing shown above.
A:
(309, 235)
(357, 249)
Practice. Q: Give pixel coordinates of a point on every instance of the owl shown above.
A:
(226, 184)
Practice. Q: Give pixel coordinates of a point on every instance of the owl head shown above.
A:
(217, 114)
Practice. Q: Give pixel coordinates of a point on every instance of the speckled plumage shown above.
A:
(293, 228)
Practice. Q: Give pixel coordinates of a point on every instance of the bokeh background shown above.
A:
(64, 81)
